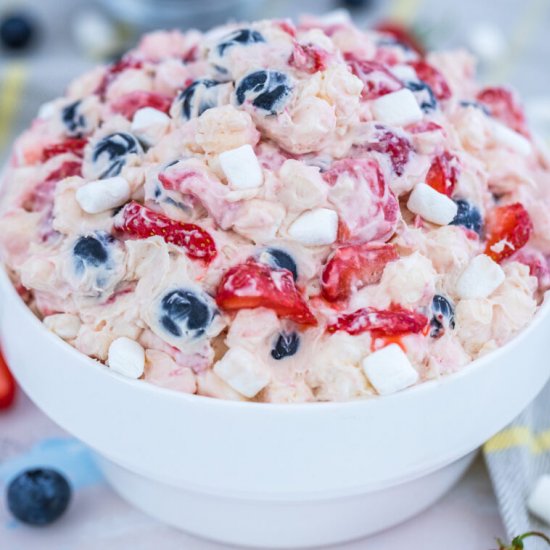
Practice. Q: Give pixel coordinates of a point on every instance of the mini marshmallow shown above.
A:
(433, 206)
(243, 371)
(241, 168)
(389, 370)
(480, 279)
(538, 502)
(100, 195)
(149, 124)
(397, 109)
(46, 110)
(126, 357)
(512, 140)
(315, 227)
(405, 73)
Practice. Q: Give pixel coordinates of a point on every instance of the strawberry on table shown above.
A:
(380, 322)
(443, 173)
(251, 285)
(141, 222)
(508, 229)
(7, 385)
(354, 266)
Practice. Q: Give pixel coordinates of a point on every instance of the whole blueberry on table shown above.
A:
(17, 31)
(38, 496)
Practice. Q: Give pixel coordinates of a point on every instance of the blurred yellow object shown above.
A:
(10, 96)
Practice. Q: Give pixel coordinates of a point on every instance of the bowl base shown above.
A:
(282, 523)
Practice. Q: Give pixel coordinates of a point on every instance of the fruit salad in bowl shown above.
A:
(280, 213)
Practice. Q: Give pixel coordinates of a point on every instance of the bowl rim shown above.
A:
(421, 389)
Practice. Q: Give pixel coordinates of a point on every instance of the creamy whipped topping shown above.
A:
(280, 213)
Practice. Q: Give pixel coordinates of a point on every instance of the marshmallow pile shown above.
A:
(280, 212)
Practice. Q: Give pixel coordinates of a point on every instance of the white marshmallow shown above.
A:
(512, 140)
(480, 279)
(405, 73)
(46, 110)
(100, 195)
(241, 167)
(397, 109)
(433, 206)
(126, 357)
(389, 370)
(538, 502)
(149, 124)
(243, 371)
(315, 227)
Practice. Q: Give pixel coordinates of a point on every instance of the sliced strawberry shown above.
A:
(352, 267)
(70, 145)
(380, 322)
(443, 173)
(66, 170)
(367, 204)
(423, 126)
(308, 58)
(503, 104)
(128, 104)
(141, 222)
(433, 78)
(7, 385)
(508, 229)
(251, 285)
(376, 77)
(402, 34)
(127, 62)
(398, 148)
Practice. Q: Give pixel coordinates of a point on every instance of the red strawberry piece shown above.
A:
(402, 34)
(503, 104)
(537, 263)
(251, 285)
(376, 77)
(368, 207)
(128, 104)
(380, 322)
(433, 78)
(70, 145)
(7, 385)
(354, 266)
(287, 26)
(443, 173)
(423, 126)
(508, 229)
(308, 58)
(66, 170)
(141, 222)
(398, 148)
(114, 70)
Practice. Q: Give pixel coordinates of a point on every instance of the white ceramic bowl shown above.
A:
(275, 475)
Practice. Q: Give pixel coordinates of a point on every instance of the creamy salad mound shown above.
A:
(280, 213)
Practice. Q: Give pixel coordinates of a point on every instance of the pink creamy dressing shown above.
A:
(321, 145)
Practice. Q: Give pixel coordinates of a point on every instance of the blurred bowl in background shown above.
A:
(200, 14)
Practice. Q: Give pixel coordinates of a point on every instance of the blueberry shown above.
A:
(268, 90)
(17, 31)
(424, 95)
(467, 103)
(244, 37)
(73, 119)
(286, 345)
(112, 150)
(185, 312)
(90, 251)
(468, 216)
(198, 97)
(38, 496)
(443, 316)
(280, 259)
